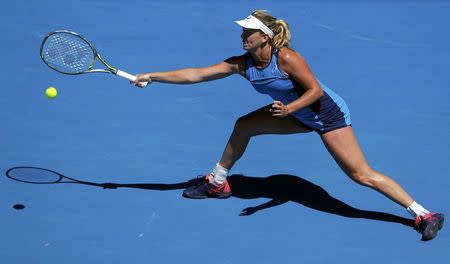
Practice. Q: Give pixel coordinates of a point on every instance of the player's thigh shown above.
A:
(261, 122)
(343, 146)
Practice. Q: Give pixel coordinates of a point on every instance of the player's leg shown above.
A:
(259, 122)
(343, 146)
(256, 123)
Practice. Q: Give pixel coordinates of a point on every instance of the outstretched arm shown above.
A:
(195, 75)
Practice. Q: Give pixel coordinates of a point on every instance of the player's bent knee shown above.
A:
(244, 126)
(363, 177)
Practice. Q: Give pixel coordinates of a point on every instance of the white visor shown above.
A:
(254, 23)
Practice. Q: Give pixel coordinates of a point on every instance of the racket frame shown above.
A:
(109, 67)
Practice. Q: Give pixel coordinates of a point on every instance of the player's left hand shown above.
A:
(279, 109)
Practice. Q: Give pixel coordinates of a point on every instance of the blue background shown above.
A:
(389, 60)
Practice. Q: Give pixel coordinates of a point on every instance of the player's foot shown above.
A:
(429, 225)
(205, 189)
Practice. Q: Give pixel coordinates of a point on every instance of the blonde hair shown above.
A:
(280, 28)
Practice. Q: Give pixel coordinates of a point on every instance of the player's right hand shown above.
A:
(140, 79)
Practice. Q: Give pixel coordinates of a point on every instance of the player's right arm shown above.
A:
(195, 75)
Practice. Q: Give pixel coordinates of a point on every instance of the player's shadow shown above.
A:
(280, 189)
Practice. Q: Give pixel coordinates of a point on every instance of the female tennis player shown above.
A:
(301, 104)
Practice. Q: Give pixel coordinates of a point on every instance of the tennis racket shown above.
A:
(70, 53)
(38, 175)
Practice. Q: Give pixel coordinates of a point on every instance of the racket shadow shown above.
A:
(280, 189)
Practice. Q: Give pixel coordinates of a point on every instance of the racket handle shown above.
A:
(130, 77)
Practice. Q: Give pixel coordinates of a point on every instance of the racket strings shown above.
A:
(33, 175)
(67, 53)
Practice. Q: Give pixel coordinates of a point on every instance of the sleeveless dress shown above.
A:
(328, 113)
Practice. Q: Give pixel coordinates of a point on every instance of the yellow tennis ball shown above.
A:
(51, 92)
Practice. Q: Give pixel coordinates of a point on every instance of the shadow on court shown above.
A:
(279, 189)
(283, 188)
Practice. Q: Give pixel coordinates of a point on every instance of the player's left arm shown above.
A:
(296, 67)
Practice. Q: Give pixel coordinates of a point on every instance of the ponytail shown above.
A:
(282, 36)
(280, 28)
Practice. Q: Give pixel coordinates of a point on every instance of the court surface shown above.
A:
(389, 60)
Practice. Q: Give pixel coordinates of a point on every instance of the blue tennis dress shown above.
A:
(328, 113)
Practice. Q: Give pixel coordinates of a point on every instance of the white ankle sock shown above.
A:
(416, 209)
(219, 174)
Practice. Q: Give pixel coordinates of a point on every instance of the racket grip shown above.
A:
(130, 77)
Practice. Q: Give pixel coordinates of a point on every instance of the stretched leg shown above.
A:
(344, 148)
(342, 145)
(256, 123)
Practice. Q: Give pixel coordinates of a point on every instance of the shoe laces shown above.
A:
(429, 217)
(200, 180)
(422, 219)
